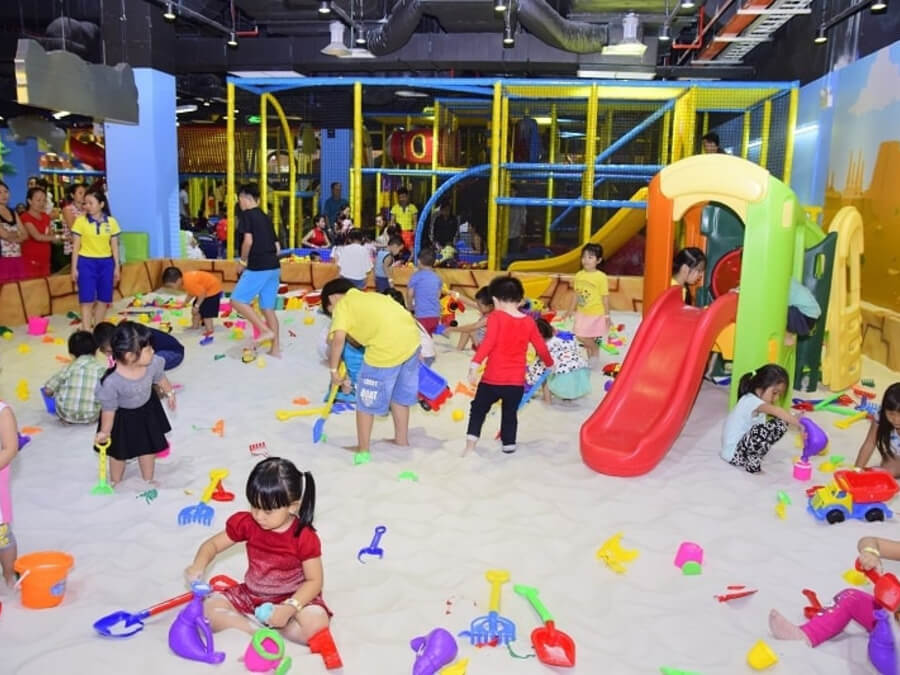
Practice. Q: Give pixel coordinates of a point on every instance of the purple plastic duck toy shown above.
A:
(433, 651)
(190, 635)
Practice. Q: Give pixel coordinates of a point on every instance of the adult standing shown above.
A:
(12, 234)
(403, 215)
(334, 204)
(95, 258)
(36, 249)
(70, 213)
(261, 272)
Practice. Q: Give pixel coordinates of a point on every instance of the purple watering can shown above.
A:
(433, 651)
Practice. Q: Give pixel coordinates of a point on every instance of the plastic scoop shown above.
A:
(552, 646)
(125, 624)
(887, 588)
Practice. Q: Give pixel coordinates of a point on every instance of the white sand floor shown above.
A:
(541, 513)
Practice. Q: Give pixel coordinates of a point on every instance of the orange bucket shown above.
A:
(42, 577)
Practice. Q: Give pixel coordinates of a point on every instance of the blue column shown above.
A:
(335, 165)
(25, 157)
(142, 165)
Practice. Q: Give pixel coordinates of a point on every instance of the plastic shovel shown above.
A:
(552, 646)
(125, 624)
(319, 426)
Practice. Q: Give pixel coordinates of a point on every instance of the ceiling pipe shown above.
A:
(545, 23)
(709, 25)
(536, 16)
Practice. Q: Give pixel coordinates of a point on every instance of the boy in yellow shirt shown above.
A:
(404, 215)
(590, 302)
(389, 377)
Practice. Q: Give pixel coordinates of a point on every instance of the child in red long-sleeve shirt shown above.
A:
(505, 346)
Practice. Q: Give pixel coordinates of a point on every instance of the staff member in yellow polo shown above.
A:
(95, 258)
(404, 215)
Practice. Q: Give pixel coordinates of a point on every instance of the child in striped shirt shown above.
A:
(73, 387)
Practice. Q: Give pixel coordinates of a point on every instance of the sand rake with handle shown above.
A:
(102, 487)
(486, 629)
(202, 512)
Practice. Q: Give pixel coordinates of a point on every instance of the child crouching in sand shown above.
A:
(74, 387)
(474, 332)
(756, 422)
(570, 376)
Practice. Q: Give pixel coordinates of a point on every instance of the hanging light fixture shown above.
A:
(509, 39)
(232, 40)
(665, 33)
(325, 8)
(360, 40)
(878, 7)
(169, 12)
(688, 4)
(501, 5)
(821, 36)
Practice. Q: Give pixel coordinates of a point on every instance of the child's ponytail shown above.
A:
(889, 403)
(766, 376)
(307, 503)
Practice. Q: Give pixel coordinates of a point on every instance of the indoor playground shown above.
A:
(628, 530)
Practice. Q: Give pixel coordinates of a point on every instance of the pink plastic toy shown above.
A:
(265, 653)
(688, 551)
(802, 470)
(162, 454)
(37, 325)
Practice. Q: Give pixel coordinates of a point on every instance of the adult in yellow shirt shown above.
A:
(590, 302)
(95, 258)
(404, 215)
(389, 377)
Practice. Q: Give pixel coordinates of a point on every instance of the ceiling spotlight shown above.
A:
(232, 40)
(665, 33)
(821, 38)
(324, 8)
(169, 13)
(500, 5)
(360, 40)
(878, 7)
(688, 4)
(509, 38)
(206, 104)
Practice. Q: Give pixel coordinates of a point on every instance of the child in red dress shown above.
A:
(284, 555)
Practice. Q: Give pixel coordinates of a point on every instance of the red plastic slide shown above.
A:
(643, 413)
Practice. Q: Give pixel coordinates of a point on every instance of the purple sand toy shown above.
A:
(881, 645)
(433, 651)
(190, 635)
(814, 440)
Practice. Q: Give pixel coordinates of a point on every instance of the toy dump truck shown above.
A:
(860, 494)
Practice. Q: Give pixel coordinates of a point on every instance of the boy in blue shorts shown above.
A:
(259, 259)
(389, 377)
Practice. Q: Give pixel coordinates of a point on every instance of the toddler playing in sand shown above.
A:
(284, 557)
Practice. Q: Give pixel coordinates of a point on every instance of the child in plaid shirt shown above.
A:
(73, 387)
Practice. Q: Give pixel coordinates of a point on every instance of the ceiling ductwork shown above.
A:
(396, 31)
(544, 22)
(536, 16)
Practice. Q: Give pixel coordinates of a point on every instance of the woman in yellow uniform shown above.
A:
(95, 258)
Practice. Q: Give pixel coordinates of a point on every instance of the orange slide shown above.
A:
(643, 413)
